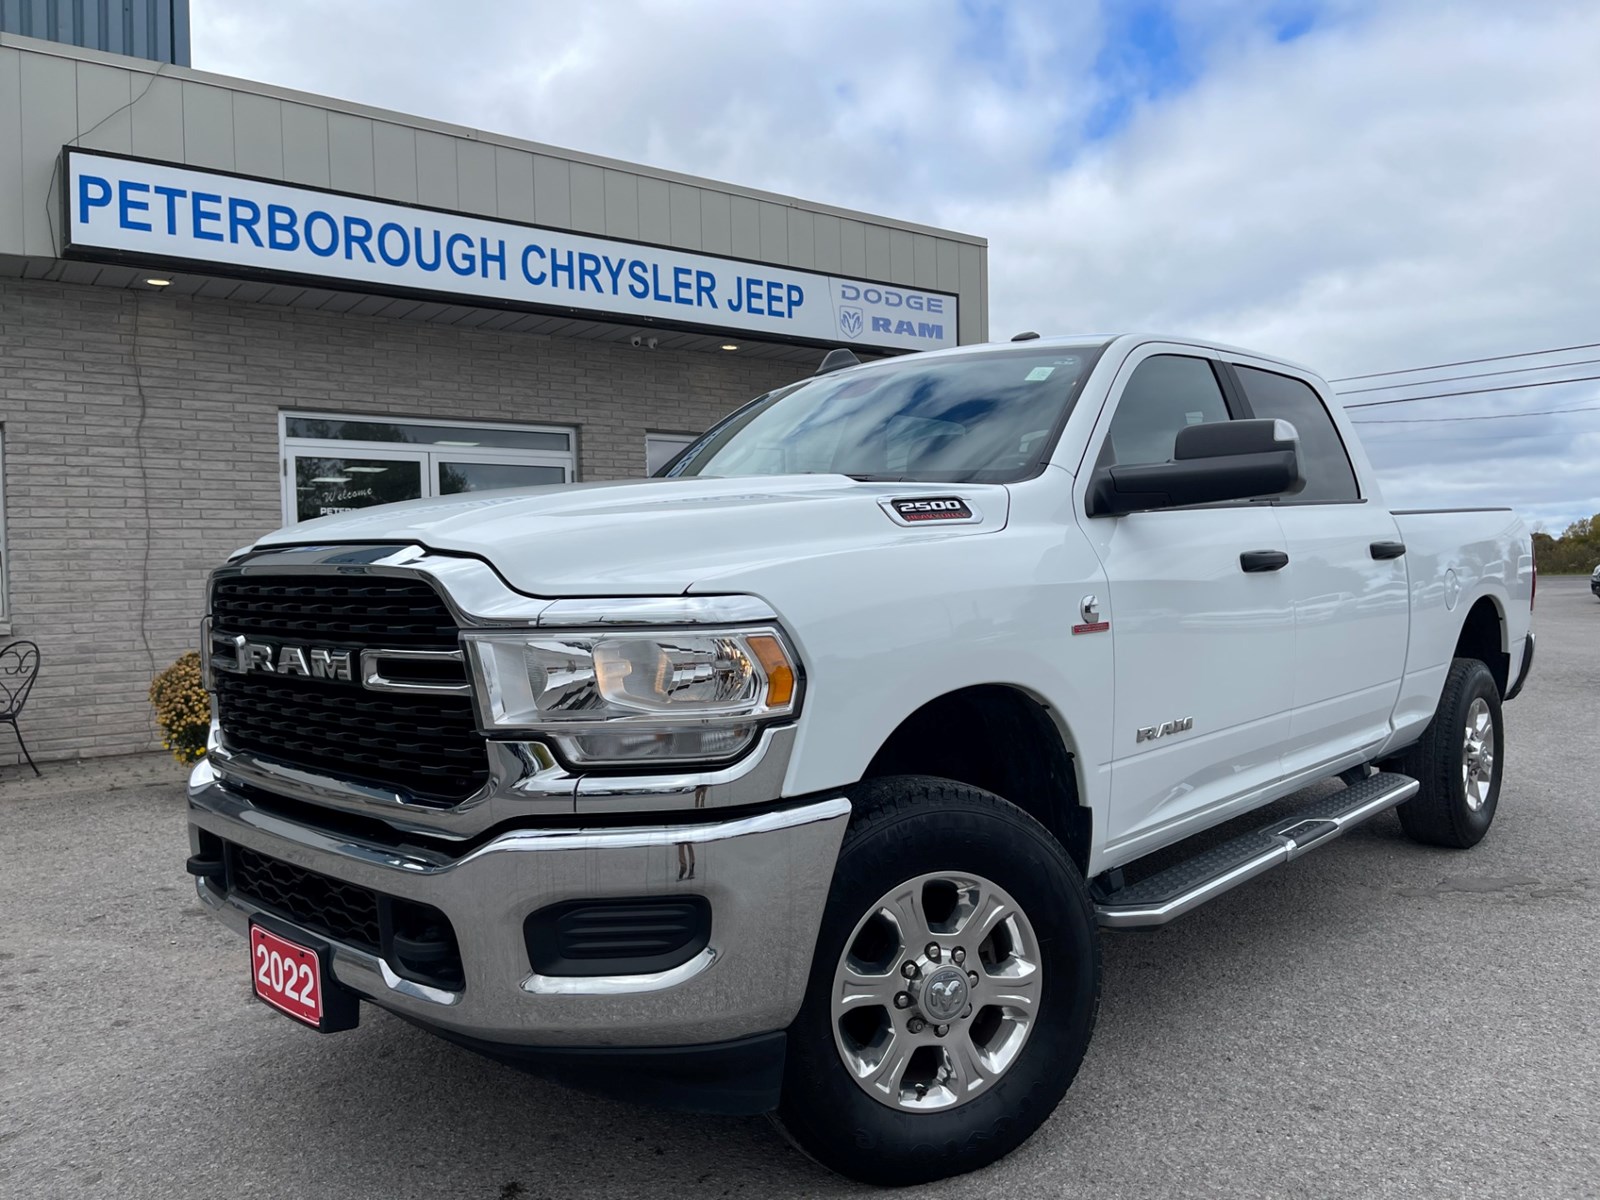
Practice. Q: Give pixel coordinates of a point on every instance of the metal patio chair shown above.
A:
(19, 667)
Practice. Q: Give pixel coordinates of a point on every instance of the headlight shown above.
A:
(635, 697)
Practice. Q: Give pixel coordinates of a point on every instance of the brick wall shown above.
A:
(141, 447)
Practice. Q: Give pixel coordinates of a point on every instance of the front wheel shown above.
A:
(1458, 761)
(953, 992)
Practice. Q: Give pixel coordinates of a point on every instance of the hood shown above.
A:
(655, 536)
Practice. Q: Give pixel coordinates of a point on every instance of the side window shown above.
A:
(1323, 460)
(1165, 393)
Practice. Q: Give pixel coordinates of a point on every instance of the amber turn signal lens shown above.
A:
(780, 674)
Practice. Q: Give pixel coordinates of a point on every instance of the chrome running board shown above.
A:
(1186, 885)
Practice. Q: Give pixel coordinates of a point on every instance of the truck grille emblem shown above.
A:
(309, 662)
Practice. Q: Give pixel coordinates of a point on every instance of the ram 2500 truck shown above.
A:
(803, 779)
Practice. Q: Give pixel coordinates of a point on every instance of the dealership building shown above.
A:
(226, 306)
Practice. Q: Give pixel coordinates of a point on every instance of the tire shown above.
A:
(1456, 803)
(963, 853)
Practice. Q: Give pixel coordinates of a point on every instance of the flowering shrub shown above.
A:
(183, 709)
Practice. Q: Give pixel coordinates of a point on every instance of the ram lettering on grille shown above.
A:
(312, 662)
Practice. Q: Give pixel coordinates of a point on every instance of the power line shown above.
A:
(1434, 439)
(1466, 362)
(1384, 387)
(1508, 387)
(1546, 412)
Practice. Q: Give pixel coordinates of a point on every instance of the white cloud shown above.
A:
(833, 100)
(1406, 183)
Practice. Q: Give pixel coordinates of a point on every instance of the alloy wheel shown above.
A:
(936, 991)
(1477, 754)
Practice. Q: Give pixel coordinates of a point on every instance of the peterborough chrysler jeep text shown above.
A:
(803, 779)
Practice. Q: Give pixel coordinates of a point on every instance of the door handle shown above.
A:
(1263, 560)
(1382, 550)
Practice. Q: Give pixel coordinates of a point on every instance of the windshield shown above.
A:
(988, 417)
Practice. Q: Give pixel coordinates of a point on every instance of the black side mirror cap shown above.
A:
(1225, 460)
(1229, 439)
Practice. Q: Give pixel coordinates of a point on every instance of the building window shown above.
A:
(5, 612)
(333, 464)
(662, 448)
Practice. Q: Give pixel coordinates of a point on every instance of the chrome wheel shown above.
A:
(936, 991)
(1477, 754)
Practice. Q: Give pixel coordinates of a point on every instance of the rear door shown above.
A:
(1203, 647)
(1347, 572)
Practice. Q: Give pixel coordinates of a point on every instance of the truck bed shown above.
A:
(1458, 557)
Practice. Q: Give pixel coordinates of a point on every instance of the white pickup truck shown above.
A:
(803, 779)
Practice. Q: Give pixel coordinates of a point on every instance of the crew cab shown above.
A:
(804, 779)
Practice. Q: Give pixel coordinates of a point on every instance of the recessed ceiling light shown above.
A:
(367, 470)
(440, 442)
(331, 479)
(159, 282)
(729, 346)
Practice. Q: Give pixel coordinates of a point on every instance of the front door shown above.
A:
(1204, 647)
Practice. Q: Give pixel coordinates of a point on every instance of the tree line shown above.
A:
(1575, 551)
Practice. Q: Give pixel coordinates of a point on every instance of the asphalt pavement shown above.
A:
(1376, 1019)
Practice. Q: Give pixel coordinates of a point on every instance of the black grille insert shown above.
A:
(617, 937)
(427, 746)
(416, 940)
(341, 911)
(371, 611)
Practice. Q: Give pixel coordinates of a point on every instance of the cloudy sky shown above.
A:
(1362, 185)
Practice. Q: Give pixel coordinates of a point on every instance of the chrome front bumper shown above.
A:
(765, 876)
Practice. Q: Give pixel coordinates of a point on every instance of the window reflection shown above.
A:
(481, 477)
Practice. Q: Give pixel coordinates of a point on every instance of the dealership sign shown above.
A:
(129, 209)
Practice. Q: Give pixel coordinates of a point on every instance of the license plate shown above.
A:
(286, 975)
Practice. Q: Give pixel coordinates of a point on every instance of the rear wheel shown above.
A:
(1458, 761)
(954, 988)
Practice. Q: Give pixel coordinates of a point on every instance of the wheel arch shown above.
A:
(1485, 636)
(1004, 739)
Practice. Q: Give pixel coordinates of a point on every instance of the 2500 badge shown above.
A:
(934, 508)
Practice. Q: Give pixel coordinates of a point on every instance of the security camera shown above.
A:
(636, 340)
(650, 342)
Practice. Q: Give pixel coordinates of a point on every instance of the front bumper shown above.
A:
(766, 877)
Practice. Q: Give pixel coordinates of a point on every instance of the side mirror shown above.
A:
(1226, 460)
